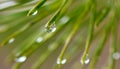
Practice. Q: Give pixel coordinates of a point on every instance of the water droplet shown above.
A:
(87, 60)
(52, 28)
(39, 39)
(34, 13)
(64, 19)
(116, 56)
(61, 61)
(11, 40)
(21, 59)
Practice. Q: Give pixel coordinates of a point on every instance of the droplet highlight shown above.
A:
(39, 39)
(52, 28)
(11, 40)
(21, 59)
(34, 13)
(61, 61)
(116, 56)
(87, 60)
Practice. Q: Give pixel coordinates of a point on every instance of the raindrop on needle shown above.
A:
(21, 59)
(61, 61)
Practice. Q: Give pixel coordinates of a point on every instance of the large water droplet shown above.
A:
(64, 19)
(21, 59)
(87, 60)
(39, 39)
(52, 28)
(61, 61)
(34, 13)
(116, 56)
(11, 40)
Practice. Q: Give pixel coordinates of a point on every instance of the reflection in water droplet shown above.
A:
(35, 12)
(64, 19)
(61, 61)
(39, 39)
(87, 60)
(52, 28)
(11, 40)
(21, 59)
(116, 56)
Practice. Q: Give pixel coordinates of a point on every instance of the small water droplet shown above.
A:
(11, 40)
(64, 19)
(87, 60)
(21, 59)
(52, 28)
(34, 13)
(61, 61)
(39, 39)
(116, 56)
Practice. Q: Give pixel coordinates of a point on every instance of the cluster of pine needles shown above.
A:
(60, 30)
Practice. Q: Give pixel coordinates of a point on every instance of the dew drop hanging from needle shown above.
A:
(11, 40)
(51, 28)
(35, 13)
(116, 55)
(63, 61)
(21, 59)
(87, 60)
